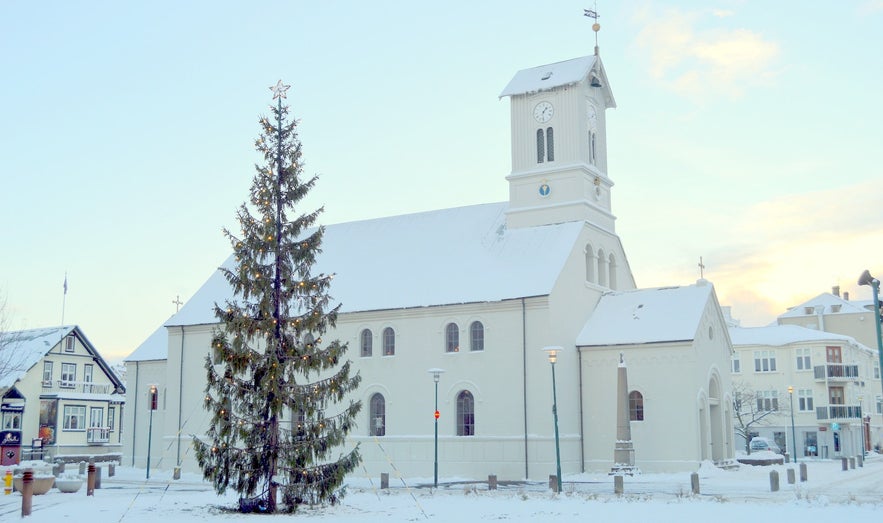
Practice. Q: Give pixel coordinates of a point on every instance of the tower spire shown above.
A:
(593, 14)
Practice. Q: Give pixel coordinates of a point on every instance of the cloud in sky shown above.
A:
(693, 61)
(808, 242)
(871, 7)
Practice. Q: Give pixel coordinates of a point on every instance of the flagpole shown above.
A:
(64, 299)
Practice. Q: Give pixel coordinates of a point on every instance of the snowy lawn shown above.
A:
(830, 494)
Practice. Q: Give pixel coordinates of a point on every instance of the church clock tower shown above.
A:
(559, 144)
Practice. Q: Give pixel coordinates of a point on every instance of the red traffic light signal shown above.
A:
(437, 414)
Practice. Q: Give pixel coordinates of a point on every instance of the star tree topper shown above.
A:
(279, 90)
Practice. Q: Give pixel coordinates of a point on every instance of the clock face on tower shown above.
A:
(543, 112)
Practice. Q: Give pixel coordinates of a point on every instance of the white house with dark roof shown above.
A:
(478, 291)
(59, 397)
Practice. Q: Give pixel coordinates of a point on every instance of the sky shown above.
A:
(735, 496)
(745, 133)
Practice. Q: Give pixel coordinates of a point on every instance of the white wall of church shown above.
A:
(140, 375)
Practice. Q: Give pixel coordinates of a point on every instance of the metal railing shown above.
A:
(839, 412)
(77, 386)
(836, 371)
(97, 435)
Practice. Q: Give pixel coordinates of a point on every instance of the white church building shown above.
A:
(478, 291)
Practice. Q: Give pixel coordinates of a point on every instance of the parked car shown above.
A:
(759, 443)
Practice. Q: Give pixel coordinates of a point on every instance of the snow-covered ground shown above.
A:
(830, 494)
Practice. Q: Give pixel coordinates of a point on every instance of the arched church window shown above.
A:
(550, 145)
(592, 147)
(452, 338)
(611, 267)
(636, 406)
(590, 264)
(465, 414)
(389, 342)
(541, 146)
(365, 342)
(377, 416)
(476, 336)
(602, 268)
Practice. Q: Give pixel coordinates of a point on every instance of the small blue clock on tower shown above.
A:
(545, 189)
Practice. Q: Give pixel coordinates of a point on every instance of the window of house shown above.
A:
(767, 400)
(365, 341)
(87, 377)
(879, 402)
(389, 342)
(804, 400)
(465, 414)
(803, 361)
(111, 414)
(476, 336)
(834, 354)
(12, 420)
(541, 146)
(74, 417)
(96, 417)
(811, 443)
(68, 374)
(737, 363)
(636, 406)
(69, 344)
(452, 338)
(550, 145)
(47, 373)
(377, 415)
(764, 361)
(876, 370)
(836, 396)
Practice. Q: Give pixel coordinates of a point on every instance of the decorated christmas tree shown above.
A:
(276, 389)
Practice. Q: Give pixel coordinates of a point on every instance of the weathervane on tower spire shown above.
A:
(593, 14)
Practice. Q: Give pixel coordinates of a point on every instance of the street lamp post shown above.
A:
(152, 404)
(861, 411)
(793, 434)
(867, 279)
(436, 375)
(553, 358)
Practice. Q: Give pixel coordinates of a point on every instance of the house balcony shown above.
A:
(839, 412)
(836, 372)
(98, 435)
(61, 386)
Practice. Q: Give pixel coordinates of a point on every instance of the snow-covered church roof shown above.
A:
(547, 77)
(155, 347)
(449, 256)
(659, 315)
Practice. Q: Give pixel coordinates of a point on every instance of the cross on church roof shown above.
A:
(701, 269)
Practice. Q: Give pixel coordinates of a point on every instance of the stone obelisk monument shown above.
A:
(623, 451)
